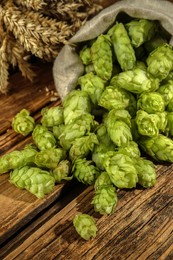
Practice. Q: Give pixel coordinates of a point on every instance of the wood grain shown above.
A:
(140, 228)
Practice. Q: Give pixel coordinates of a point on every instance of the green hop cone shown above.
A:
(151, 102)
(52, 116)
(122, 46)
(140, 31)
(163, 116)
(101, 56)
(135, 81)
(146, 172)
(62, 171)
(169, 107)
(85, 226)
(76, 103)
(105, 200)
(166, 91)
(168, 78)
(34, 180)
(79, 127)
(84, 171)
(158, 147)
(16, 159)
(132, 150)
(92, 85)
(160, 61)
(103, 180)
(121, 170)
(118, 124)
(43, 138)
(82, 146)
(169, 126)
(85, 55)
(114, 97)
(23, 123)
(49, 158)
(148, 124)
(58, 130)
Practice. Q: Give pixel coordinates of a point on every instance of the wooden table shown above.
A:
(31, 228)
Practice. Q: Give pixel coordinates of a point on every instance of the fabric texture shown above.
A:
(68, 66)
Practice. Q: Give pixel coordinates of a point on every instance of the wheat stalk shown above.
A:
(4, 65)
(36, 5)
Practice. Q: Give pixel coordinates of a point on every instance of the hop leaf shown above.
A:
(85, 226)
(23, 123)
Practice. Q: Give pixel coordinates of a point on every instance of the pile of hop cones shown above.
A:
(37, 28)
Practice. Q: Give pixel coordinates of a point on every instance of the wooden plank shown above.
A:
(140, 228)
(18, 207)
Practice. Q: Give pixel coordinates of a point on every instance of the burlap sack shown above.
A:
(68, 66)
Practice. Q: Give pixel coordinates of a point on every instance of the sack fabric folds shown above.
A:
(68, 66)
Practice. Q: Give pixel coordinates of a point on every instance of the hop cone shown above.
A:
(132, 150)
(92, 85)
(77, 128)
(85, 55)
(35, 180)
(166, 91)
(169, 107)
(52, 116)
(43, 138)
(103, 180)
(114, 97)
(135, 81)
(84, 171)
(58, 130)
(23, 123)
(158, 147)
(151, 102)
(105, 200)
(49, 158)
(148, 124)
(76, 103)
(85, 226)
(169, 126)
(61, 172)
(122, 47)
(121, 170)
(146, 172)
(16, 159)
(140, 31)
(101, 56)
(82, 146)
(160, 61)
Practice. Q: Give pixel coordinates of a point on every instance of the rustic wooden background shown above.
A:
(140, 228)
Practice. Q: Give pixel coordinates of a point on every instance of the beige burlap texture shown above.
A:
(68, 66)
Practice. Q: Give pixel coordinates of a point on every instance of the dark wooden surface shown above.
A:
(30, 228)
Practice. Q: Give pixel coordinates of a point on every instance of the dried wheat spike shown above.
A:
(36, 32)
(31, 4)
(4, 66)
(17, 57)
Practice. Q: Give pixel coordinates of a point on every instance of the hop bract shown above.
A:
(52, 116)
